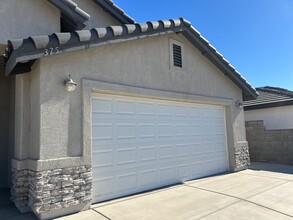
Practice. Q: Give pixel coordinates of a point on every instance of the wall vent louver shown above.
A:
(177, 55)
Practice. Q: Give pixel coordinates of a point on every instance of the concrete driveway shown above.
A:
(264, 191)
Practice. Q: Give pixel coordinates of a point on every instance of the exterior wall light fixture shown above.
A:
(70, 84)
(239, 104)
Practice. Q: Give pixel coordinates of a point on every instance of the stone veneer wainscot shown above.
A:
(242, 158)
(44, 191)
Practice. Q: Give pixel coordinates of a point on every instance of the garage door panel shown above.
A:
(180, 110)
(218, 113)
(182, 151)
(167, 174)
(184, 171)
(164, 110)
(102, 106)
(221, 165)
(125, 131)
(104, 187)
(195, 130)
(196, 149)
(218, 130)
(125, 107)
(219, 138)
(102, 131)
(103, 158)
(146, 109)
(164, 130)
(139, 144)
(126, 156)
(220, 147)
(147, 154)
(181, 130)
(196, 167)
(127, 182)
(206, 112)
(166, 152)
(146, 130)
(149, 177)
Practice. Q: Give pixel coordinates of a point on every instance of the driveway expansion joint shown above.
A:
(249, 174)
(219, 210)
(101, 214)
(242, 199)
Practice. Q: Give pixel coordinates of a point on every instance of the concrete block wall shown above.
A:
(273, 146)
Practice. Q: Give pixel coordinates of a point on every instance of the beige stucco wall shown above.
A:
(27, 115)
(274, 118)
(143, 63)
(99, 18)
(27, 18)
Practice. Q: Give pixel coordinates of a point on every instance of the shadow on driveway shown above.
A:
(279, 168)
(8, 211)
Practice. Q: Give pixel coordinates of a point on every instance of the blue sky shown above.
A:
(256, 36)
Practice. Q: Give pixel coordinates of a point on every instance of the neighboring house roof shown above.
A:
(270, 97)
(70, 11)
(21, 54)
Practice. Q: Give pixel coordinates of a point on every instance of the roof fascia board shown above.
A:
(206, 51)
(269, 105)
(72, 12)
(231, 75)
(115, 11)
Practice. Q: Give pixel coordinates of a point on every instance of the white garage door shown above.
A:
(140, 144)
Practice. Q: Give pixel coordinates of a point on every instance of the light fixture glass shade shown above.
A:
(70, 84)
(239, 104)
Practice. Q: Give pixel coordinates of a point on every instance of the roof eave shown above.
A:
(115, 11)
(36, 47)
(249, 93)
(269, 105)
(75, 15)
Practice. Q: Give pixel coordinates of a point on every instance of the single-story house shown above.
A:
(273, 106)
(95, 106)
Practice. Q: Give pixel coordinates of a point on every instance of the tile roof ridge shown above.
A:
(71, 4)
(276, 91)
(110, 7)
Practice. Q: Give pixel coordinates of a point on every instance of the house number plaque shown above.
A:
(51, 51)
